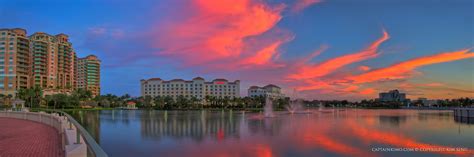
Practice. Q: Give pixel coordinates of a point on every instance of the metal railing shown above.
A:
(54, 119)
(93, 148)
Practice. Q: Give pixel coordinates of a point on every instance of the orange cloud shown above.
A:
(363, 68)
(401, 70)
(329, 66)
(367, 91)
(313, 85)
(351, 88)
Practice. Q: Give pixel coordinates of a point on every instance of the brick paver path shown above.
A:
(23, 138)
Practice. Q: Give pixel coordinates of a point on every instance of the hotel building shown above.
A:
(15, 61)
(196, 87)
(271, 91)
(88, 74)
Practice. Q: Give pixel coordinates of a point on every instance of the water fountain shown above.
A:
(321, 107)
(296, 106)
(268, 108)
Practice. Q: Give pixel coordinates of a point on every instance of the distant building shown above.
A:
(392, 96)
(270, 90)
(131, 105)
(88, 74)
(196, 87)
(428, 102)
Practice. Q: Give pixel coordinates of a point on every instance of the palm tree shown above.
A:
(38, 94)
(2, 96)
(194, 101)
(225, 102)
(207, 98)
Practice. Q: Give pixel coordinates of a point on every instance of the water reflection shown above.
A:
(323, 133)
(195, 125)
(393, 121)
(466, 120)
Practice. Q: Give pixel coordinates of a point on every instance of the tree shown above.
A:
(169, 102)
(32, 95)
(82, 94)
(182, 102)
(159, 102)
(194, 102)
(147, 101)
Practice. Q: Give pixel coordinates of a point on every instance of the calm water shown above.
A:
(324, 133)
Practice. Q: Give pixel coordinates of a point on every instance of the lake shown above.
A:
(328, 132)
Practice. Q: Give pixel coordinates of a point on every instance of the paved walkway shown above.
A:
(23, 138)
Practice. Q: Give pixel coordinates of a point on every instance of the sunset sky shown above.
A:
(328, 49)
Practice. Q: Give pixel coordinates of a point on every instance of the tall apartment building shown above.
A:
(73, 68)
(88, 74)
(196, 87)
(44, 60)
(52, 62)
(15, 67)
(65, 62)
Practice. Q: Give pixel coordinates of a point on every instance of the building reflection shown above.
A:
(195, 125)
(200, 125)
(90, 121)
(265, 126)
(119, 116)
(464, 120)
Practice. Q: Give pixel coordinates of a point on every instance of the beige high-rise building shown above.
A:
(53, 59)
(74, 70)
(44, 60)
(15, 67)
(65, 62)
(88, 74)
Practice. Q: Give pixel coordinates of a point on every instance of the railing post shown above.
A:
(78, 136)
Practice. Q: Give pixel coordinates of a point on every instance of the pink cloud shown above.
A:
(213, 31)
(404, 69)
(331, 65)
(302, 4)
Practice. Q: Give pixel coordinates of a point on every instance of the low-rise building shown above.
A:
(428, 102)
(270, 90)
(196, 87)
(392, 96)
